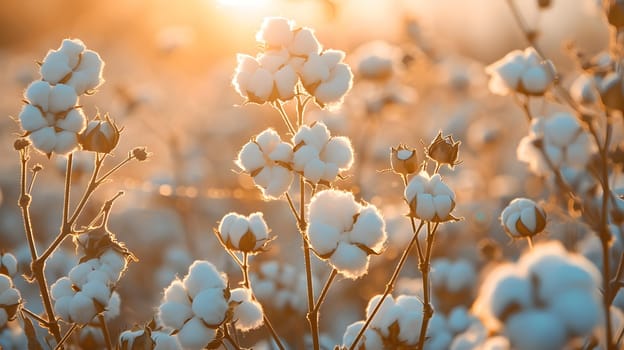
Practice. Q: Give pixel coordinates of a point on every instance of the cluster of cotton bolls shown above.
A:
(345, 232)
(315, 153)
(396, 324)
(558, 141)
(247, 234)
(291, 55)
(452, 283)
(547, 300)
(88, 289)
(522, 72)
(196, 306)
(280, 286)
(51, 118)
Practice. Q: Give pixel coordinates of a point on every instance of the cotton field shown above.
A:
(312, 174)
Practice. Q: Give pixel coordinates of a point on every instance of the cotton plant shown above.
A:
(54, 123)
(548, 299)
(198, 307)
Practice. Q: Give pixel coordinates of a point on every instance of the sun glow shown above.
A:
(249, 4)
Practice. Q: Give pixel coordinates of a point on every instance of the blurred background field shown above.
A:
(168, 72)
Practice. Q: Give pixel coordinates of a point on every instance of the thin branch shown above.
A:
(66, 336)
(330, 280)
(105, 333)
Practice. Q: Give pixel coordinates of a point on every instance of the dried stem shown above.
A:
(105, 333)
(330, 280)
(389, 286)
(280, 108)
(424, 268)
(66, 336)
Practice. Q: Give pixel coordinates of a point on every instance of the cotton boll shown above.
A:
(387, 314)
(176, 292)
(164, 341)
(173, 314)
(323, 238)
(61, 288)
(75, 121)
(66, 142)
(247, 65)
(285, 81)
(210, 305)
(336, 86)
(304, 43)
(275, 32)
(338, 150)
(425, 209)
(250, 157)
(535, 80)
(78, 275)
(496, 343)
(82, 309)
(459, 319)
(579, 310)
(281, 152)
(202, 275)
(10, 296)
(281, 178)
(114, 307)
(461, 276)
(561, 129)
(261, 84)
(370, 339)
(44, 139)
(248, 314)
(55, 67)
(62, 98)
(440, 341)
(226, 224)
(314, 70)
(61, 307)
(97, 291)
(38, 94)
(369, 229)
(194, 335)
(258, 226)
(31, 118)
(583, 89)
(349, 260)
(239, 227)
(334, 208)
(88, 74)
(535, 330)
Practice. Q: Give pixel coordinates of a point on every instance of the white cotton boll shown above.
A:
(281, 178)
(44, 139)
(258, 226)
(61, 307)
(561, 129)
(82, 309)
(442, 205)
(210, 305)
(281, 152)
(425, 208)
(61, 288)
(176, 292)
(62, 98)
(164, 341)
(8, 262)
(75, 121)
(338, 150)
(496, 343)
(31, 118)
(349, 260)
(194, 335)
(285, 80)
(459, 319)
(579, 310)
(583, 89)
(55, 67)
(330, 172)
(239, 228)
(535, 79)
(250, 157)
(439, 188)
(323, 238)
(502, 289)
(314, 70)
(66, 141)
(535, 330)
(554, 154)
(304, 43)
(38, 94)
(332, 57)
(461, 276)
(261, 84)
(314, 170)
(369, 229)
(10, 296)
(248, 314)
(97, 291)
(247, 65)
(318, 136)
(173, 314)
(203, 275)
(114, 307)
(303, 156)
(127, 338)
(267, 140)
(440, 341)
(334, 89)
(72, 49)
(334, 208)
(370, 339)
(275, 32)
(226, 224)
(78, 274)
(114, 260)
(273, 60)
(506, 72)
(414, 187)
(88, 74)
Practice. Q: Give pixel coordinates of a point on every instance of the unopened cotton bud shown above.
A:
(100, 135)
(404, 160)
(523, 218)
(444, 150)
(140, 153)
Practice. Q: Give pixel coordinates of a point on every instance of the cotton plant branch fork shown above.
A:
(67, 224)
